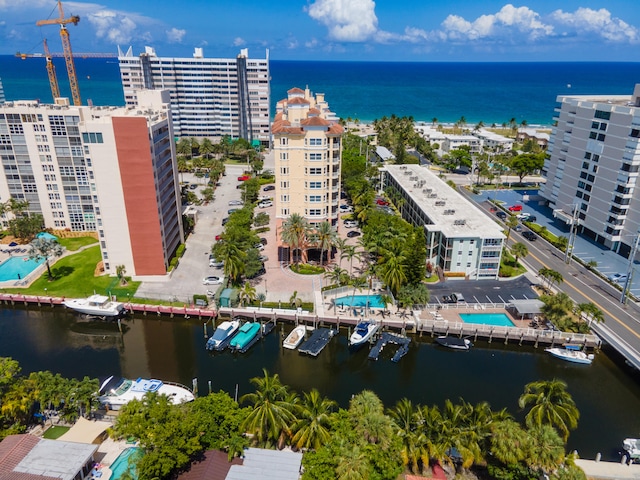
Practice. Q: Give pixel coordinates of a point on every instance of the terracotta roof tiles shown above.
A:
(295, 90)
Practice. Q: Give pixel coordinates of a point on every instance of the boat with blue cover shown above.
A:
(116, 392)
(223, 335)
(363, 332)
(248, 334)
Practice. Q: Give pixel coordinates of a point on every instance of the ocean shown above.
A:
(488, 92)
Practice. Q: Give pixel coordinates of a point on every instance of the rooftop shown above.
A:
(450, 212)
(261, 464)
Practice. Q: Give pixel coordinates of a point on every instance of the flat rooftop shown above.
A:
(450, 212)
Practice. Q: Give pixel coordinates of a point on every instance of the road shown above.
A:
(623, 321)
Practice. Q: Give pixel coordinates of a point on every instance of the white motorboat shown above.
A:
(454, 342)
(96, 305)
(223, 334)
(116, 392)
(294, 338)
(363, 332)
(571, 355)
(632, 447)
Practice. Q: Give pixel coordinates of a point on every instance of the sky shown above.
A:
(345, 30)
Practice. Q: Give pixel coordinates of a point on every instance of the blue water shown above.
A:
(488, 92)
(121, 464)
(372, 301)
(495, 319)
(15, 268)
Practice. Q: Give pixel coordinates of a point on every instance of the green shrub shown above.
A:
(180, 250)
(306, 269)
(262, 229)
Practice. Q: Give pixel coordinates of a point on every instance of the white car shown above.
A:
(259, 246)
(523, 216)
(344, 208)
(350, 224)
(215, 263)
(618, 278)
(212, 280)
(235, 202)
(265, 204)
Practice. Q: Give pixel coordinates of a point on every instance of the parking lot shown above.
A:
(484, 291)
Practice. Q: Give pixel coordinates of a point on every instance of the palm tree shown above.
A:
(247, 294)
(120, 272)
(519, 250)
(353, 464)
(509, 442)
(184, 147)
(43, 248)
(233, 258)
(337, 276)
(325, 236)
(367, 412)
(512, 222)
(295, 300)
(393, 267)
(592, 312)
(546, 449)
(350, 253)
(552, 405)
(206, 147)
(341, 245)
(407, 426)
(312, 427)
(273, 409)
(295, 231)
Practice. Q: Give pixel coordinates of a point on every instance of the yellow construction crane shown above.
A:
(66, 47)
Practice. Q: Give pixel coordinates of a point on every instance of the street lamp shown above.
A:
(627, 280)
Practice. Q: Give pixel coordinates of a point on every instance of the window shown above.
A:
(585, 165)
(315, 185)
(284, 170)
(315, 157)
(315, 212)
(635, 133)
(284, 184)
(315, 141)
(284, 211)
(315, 171)
(602, 115)
(284, 156)
(284, 198)
(284, 141)
(315, 198)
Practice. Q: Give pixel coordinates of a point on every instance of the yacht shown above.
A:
(363, 332)
(572, 354)
(632, 448)
(223, 335)
(96, 305)
(116, 392)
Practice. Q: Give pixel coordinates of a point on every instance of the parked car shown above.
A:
(523, 216)
(529, 235)
(618, 278)
(532, 218)
(218, 237)
(263, 258)
(193, 186)
(453, 298)
(518, 228)
(225, 220)
(231, 210)
(350, 223)
(501, 215)
(344, 208)
(215, 263)
(212, 280)
(235, 202)
(243, 178)
(381, 201)
(263, 240)
(515, 208)
(353, 233)
(269, 188)
(265, 204)
(259, 246)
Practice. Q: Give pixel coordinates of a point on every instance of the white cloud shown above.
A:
(598, 22)
(238, 42)
(347, 20)
(509, 22)
(175, 35)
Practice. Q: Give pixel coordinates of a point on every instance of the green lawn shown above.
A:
(73, 277)
(55, 432)
(73, 244)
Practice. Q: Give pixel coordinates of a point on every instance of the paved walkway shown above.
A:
(608, 470)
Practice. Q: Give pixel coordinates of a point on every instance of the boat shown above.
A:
(295, 338)
(246, 337)
(116, 391)
(632, 448)
(363, 332)
(454, 342)
(223, 335)
(96, 305)
(571, 353)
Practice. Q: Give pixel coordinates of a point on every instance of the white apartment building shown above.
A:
(210, 97)
(594, 165)
(454, 142)
(493, 141)
(110, 170)
(307, 146)
(2, 98)
(460, 238)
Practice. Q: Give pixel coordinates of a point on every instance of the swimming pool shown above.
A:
(371, 301)
(16, 268)
(495, 319)
(121, 464)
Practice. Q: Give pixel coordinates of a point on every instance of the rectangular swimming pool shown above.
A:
(371, 301)
(495, 319)
(16, 268)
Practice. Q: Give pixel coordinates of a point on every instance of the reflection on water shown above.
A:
(607, 395)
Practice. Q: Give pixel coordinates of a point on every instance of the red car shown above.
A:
(382, 201)
(243, 178)
(515, 208)
(218, 237)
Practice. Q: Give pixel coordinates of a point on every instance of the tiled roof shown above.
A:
(295, 90)
(314, 111)
(214, 465)
(315, 122)
(297, 101)
(13, 449)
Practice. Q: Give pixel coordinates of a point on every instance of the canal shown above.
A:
(607, 392)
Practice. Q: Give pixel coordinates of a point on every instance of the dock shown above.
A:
(319, 339)
(395, 339)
